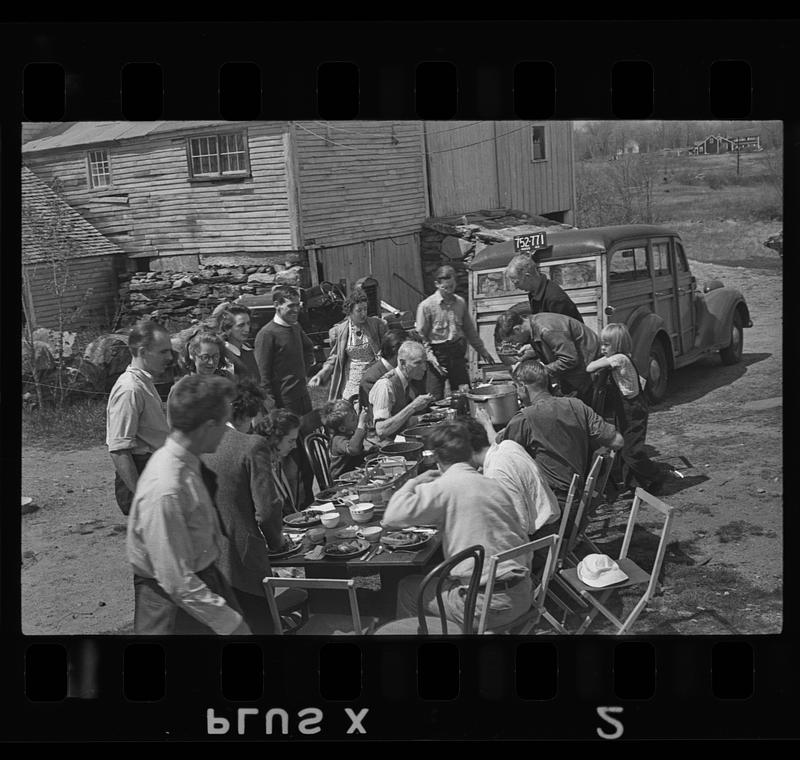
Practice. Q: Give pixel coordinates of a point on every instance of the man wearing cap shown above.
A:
(558, 432)
(565, 345)
(543, 294)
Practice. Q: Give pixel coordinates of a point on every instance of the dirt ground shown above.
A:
(723, 571)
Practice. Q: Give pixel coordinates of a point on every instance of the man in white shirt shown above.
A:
(174, 530)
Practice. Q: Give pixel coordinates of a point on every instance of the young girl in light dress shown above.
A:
(638, 468)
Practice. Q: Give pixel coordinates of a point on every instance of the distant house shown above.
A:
(349, 197)
(713, 144)
(69, 268)
(631, 146)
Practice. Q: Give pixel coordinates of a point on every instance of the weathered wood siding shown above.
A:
(359, 180)
(387, 260)
(154, 208)
(98, 273)
(488, 165)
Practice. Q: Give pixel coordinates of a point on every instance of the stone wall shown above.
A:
(455, 240)
(180, 299)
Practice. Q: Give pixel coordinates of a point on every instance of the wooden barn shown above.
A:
(349, 196)
(712, 145)
(69, 269)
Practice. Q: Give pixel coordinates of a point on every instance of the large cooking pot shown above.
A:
(498, 399)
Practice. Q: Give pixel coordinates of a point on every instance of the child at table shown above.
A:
(347, 430)
(632, 408)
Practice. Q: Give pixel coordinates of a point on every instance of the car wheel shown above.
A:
(733, 353)
(658, 373)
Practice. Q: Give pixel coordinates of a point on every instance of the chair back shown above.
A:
(643, 496)
(590, 488)
(316, 448)
(345, 584)
(440, 574)
(561, 546)
(540, 592)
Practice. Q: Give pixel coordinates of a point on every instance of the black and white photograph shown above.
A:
(402, 378)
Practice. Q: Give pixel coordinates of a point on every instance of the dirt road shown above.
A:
(723, 572)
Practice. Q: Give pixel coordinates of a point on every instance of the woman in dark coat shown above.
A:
(234, 326)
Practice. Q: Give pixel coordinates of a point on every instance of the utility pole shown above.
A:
(738, 151)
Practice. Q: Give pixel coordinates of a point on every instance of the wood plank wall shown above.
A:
(359, 180)
(153, 207)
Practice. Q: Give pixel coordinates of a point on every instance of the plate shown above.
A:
(295, 545)
(404, 539)
(443, 403)
(328, 494)
(349, 477)
(330, 549)
(304, 519)
(347, 532)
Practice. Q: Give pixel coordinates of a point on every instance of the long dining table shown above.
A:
(391, 565)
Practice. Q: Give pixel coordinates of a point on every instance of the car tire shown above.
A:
(732, 354)
(658, 373)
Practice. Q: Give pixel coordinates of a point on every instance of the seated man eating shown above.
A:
(468, 509)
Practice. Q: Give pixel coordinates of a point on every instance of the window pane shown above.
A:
(661, 262)
(538, 143)
(575, 275)
(630, 264)
(684, 265)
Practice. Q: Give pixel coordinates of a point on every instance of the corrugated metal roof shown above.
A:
(91, 132)
(42, 207)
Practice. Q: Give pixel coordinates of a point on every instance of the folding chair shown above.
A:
(319, 624)
(316, 448)
(530, 617)
(597, 597)
(559, 562)
(593, 492)
(427, 625)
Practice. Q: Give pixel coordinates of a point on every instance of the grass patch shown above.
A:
(735, 531)
(76, 426)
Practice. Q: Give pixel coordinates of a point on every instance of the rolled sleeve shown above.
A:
(122, 420)
(381, 399)
(165, 532)
(600, 431)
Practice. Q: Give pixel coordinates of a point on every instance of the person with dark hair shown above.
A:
(174, 528)
(513, 468)
(565, 345)
(543, 294)
(281, 428)
(136, 425)
(468, 509)
(386, 361)
(558, 432)
(284, 353)
(234, 326)
(446, 327)
(354, 342)
(347, 430)
(249, 506)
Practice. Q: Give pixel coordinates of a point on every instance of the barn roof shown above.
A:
(91, 132)
(41, 208)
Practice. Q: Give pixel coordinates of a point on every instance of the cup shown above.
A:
(330, 519)
(372, 534)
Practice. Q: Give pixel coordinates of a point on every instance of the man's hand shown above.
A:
(482, 416)
(363, 418)
(316, 381)
(488, 358)
(421, 402)
(526, 353)
(438, 367)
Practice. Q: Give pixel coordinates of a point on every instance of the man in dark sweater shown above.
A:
(543, 294)
(284, 353)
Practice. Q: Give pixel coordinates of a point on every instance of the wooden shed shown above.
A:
(69, 269)
(350, 197)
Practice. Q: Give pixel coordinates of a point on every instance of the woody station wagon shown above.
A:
(635, 274)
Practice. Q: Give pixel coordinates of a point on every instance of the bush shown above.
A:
(615, 192)
(79, 424)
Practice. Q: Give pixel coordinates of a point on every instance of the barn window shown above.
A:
(218, 156)
(538, 147)
(99, 168)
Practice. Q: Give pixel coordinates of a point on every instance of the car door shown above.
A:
(630, 284)
(686, 287)
(664, 289)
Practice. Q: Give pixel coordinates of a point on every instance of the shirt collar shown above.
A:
(441, 298)
(233, 349)
(403, 378)
(280, 321)
(459, 467)
(139, 371)
(179, 452)
(386, 364)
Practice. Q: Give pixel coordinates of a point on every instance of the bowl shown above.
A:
(363, 512)
(372, 534)
(330, 519)
(316, 535)
(411, 450)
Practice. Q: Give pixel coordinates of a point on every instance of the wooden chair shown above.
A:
(427, 625)
(529, 618)
(593, 493)
(597, 597)
(316, 448)
(319, 624)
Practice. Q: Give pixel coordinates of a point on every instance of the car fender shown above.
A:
(714, 312)
(644, 326)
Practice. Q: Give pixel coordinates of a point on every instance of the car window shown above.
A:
(573, 275)
(629, 264)
(661, 261)
(682, 263)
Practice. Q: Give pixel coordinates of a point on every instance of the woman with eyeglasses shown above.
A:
(207, 354)
(355, 343)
